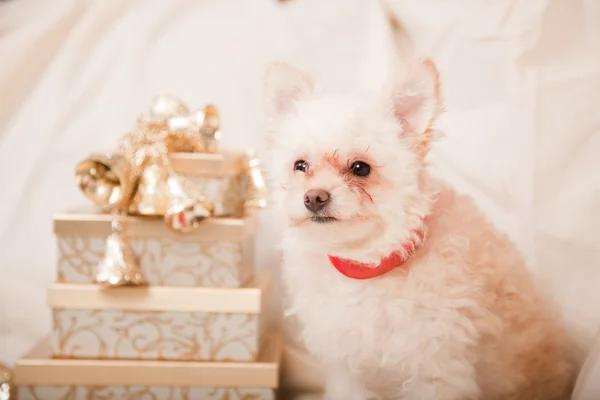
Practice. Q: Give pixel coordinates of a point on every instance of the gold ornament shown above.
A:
(118, 267)
(186, 207)
(151, 195)
(164, 107)
(8, 391)
(106, 180)
(257, 195)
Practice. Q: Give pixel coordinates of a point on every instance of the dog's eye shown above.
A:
(300, 165)
(360, 168)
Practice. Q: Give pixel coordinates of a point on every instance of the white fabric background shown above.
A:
(521, 81)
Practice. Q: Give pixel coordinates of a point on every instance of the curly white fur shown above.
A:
(462, 319)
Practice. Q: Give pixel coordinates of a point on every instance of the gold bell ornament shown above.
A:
(151, 196)
(118, 267)
(108, 180)
(8, 391)
(257, 194)
(161, 192)
(105, 179)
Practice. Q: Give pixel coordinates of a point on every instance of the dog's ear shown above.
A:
(416, 99)
(284, 85)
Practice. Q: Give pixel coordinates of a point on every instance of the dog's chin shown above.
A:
(332, 233)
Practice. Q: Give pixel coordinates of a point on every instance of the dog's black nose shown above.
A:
(316, 199)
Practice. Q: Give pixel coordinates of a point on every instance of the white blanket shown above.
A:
(521, 82)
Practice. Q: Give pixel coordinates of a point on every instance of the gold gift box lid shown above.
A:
(37, 369)
(249, 299)
(88, 222)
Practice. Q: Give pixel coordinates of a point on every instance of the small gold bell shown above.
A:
(8, 390)
(163, 107)
(186, 207)
(257, 194)
(105, 179)
(150, 197)
(118, 267)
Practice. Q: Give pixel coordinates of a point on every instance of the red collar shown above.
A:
(357, 270)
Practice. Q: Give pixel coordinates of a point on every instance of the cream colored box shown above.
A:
(157, 322)
(220, 253)
(41, 378)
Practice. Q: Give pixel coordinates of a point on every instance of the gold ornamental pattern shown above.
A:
(163, 261)
(173, 335)
(141, 393)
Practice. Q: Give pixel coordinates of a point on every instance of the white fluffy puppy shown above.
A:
(404, 289)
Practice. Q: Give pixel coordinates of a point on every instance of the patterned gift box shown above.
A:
(220, 253)
(41, 378)
(157, 322)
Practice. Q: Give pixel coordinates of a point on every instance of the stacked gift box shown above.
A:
(156, 295)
